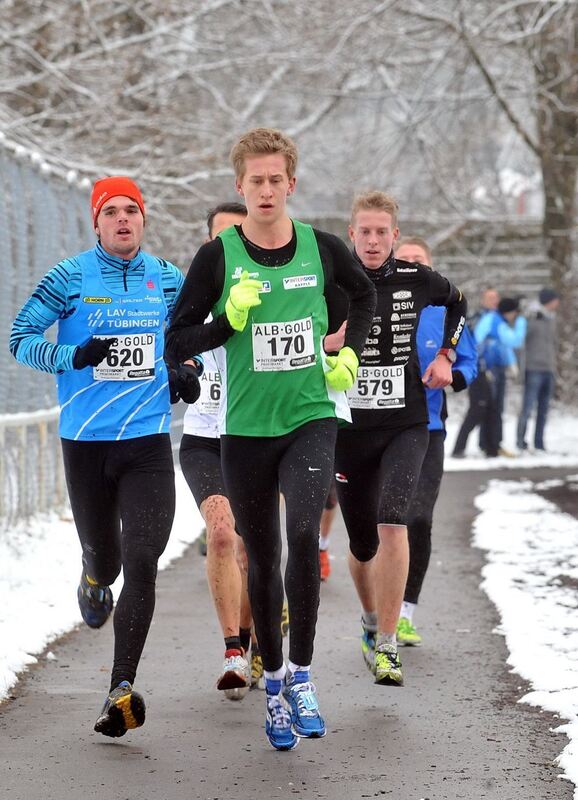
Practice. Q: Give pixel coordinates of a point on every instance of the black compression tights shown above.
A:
(123, 502)
(419, 524)
(376, 473)
(300, 464)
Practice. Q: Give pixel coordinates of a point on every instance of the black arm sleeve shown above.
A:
(188, 334)
(458, 381)
(341, 269)
(444, 293)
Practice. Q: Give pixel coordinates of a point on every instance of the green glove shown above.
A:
(343, 370)
(243, 296)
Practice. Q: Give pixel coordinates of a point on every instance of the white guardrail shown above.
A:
(31, 470)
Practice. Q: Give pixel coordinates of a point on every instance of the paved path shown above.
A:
(455, 730)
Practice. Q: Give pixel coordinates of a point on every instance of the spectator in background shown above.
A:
(541, 349)
(497, 335)
(481, 411)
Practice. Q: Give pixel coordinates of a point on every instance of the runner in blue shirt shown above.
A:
(429, 339)
(111, 304)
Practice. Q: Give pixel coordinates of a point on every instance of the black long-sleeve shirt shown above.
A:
(403, 290)
(205, 279)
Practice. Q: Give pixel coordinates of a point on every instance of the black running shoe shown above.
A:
(95, 602)
(123, 709)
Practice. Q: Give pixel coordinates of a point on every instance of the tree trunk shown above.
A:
(557, 121)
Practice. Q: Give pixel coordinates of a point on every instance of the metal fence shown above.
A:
(44, 216)
(31, 471)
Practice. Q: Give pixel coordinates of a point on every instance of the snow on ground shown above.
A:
(531, 573)
(531, 576)
(561, 440)
(38, 604)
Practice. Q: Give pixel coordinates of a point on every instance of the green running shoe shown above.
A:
(407, 634)
(388, 666)
(368, 648)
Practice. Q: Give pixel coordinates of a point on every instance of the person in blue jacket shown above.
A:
(498, 334)
(111, 305)
(464, 370)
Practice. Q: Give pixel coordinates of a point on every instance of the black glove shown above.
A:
(92, 353)
(184, 384)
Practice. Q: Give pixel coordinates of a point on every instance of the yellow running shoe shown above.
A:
(388, 666)
(285, 619)
(123, 709)
(257, 674)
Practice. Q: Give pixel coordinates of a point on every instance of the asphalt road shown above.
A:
(454, 731)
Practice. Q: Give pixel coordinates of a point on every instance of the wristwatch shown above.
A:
(448, 353)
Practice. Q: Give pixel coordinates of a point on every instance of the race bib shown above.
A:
(378, 387)
(131, 358)
(210, 397)
(283, 346)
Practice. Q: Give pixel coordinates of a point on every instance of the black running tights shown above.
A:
(376, 474)
(122, 496)
(300, 464)
(420, 518)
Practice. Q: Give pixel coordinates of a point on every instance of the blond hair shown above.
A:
(418, 241)
(375, 201)
(262, 141)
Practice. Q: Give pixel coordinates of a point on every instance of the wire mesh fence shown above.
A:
(44, 216)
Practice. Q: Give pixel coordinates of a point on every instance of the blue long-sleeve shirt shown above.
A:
(56, 297)
(430, 334)
(497, 339)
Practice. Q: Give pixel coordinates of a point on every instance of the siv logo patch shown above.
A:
(97, 300)
(300, 282)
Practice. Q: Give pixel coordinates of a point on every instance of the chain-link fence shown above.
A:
(44, 216)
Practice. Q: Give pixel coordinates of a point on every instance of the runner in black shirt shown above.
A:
(378, 459)
(265, 284)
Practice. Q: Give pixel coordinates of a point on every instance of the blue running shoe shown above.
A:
(95, 602)
(368, 648)
(278, 724)
(305, 716)
(123, 709)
